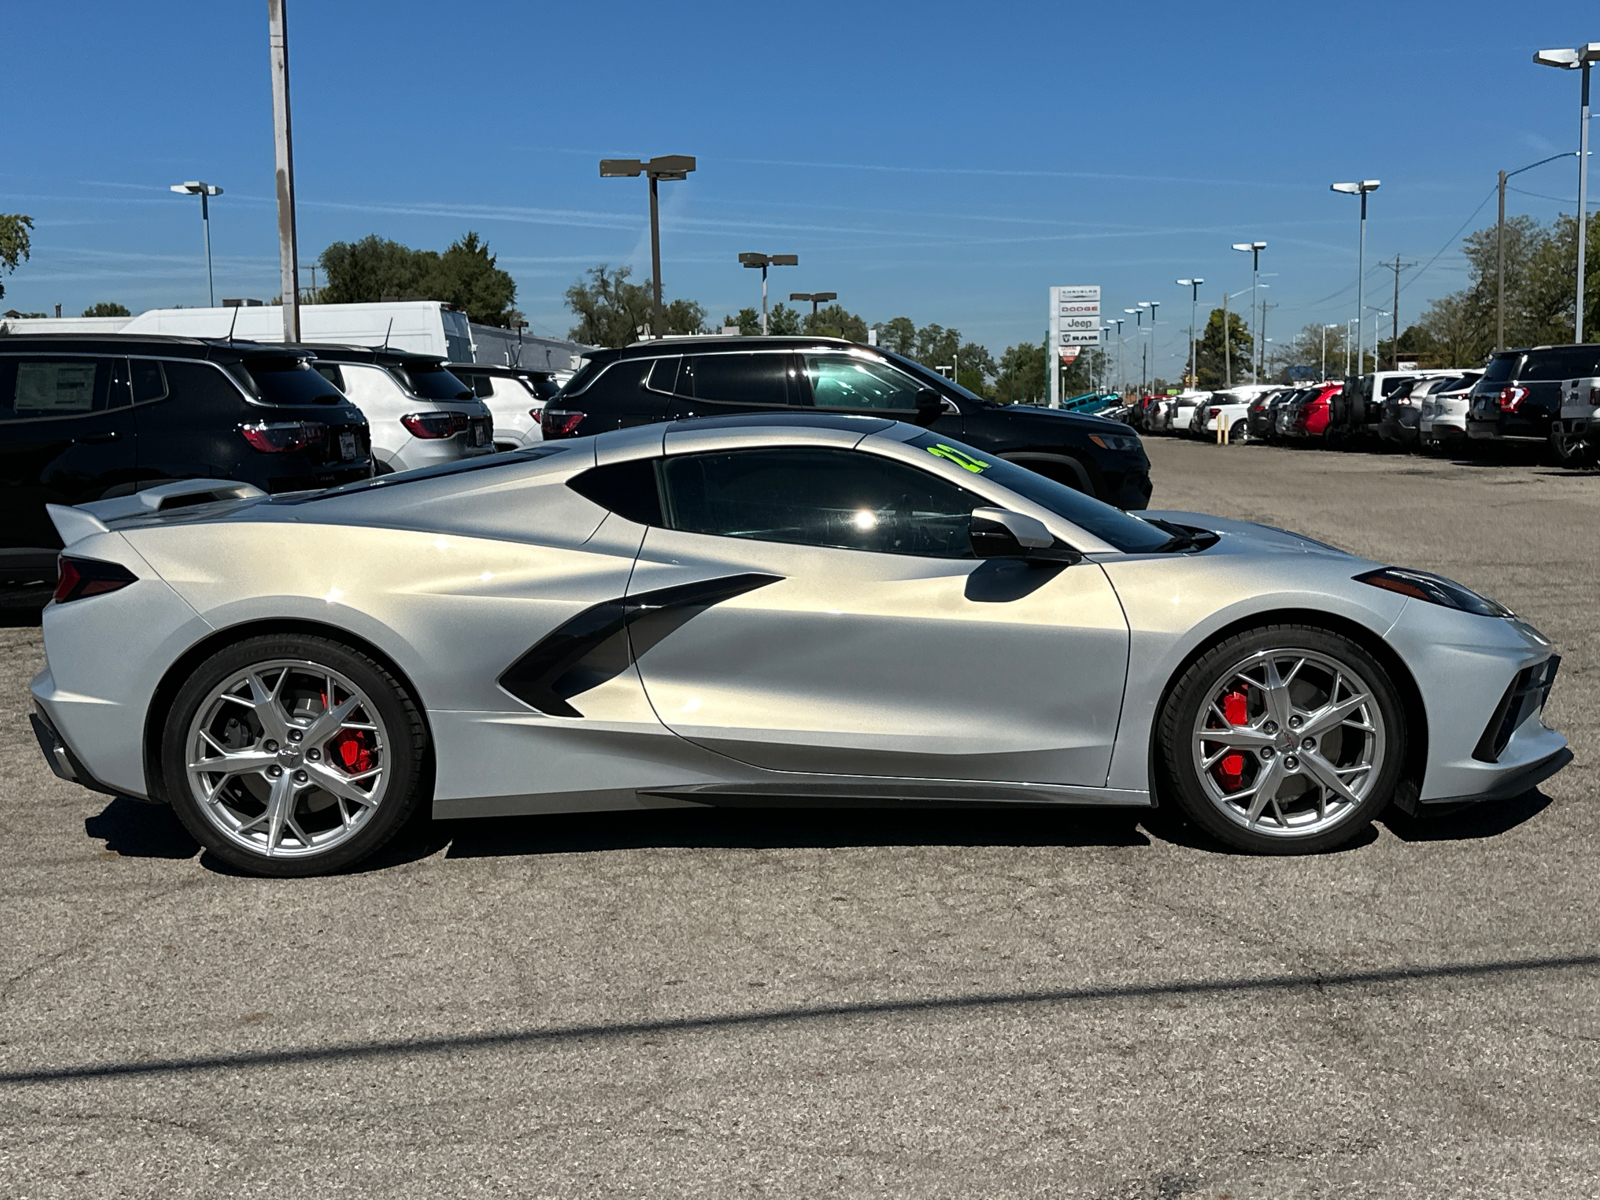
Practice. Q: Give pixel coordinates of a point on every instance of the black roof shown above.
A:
(336, 352)
(164, 345)
(701, 345)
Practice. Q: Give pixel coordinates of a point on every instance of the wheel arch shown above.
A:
(1411, 705)
(185, 664)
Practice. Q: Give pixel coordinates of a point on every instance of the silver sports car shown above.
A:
(777, 610)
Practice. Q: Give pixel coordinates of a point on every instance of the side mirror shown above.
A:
(930, 406)
(1001, 533)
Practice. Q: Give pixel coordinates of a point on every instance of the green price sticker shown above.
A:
(965, 461)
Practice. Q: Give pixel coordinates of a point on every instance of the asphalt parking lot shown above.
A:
(836, 1003)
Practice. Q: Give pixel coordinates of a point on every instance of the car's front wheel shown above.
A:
(1283, 740)
(293, 755)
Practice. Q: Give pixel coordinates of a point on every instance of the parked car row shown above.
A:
(1544, 396)
(91, 418)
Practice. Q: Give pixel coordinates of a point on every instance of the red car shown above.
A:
(1310, 419)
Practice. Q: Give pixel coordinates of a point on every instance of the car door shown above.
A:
(709, 385)
(817, 608)
(855, 383)
(188, 413)
(66, 437)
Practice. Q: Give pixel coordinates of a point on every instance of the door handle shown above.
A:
(109, 435)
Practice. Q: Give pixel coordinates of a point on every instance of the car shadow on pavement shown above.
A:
(764, 829)
(1486, 820)
(135, 829)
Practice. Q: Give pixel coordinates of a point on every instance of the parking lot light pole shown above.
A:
(1144, 346)
(1253, 249)
(1154, 304)
(1360, 188)
(1122, 368)
(1500, 250)
(1579, 59)
(1194, 300)
(816, 298)
(667, 166)
(205, 191)
(764, 261)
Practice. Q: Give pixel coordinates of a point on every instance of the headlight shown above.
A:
(1435, 589)
(1125, 442)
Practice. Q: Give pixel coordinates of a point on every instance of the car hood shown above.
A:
(1248, 537)
(1081, 421)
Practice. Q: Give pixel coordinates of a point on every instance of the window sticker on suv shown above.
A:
(965, 461)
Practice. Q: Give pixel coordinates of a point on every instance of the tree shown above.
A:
(376, 269)
(782, 320)
(371, 270)
(1021, 377)
(465, 275)
(937, 346)
(1210, 360)
(975, 367)
(836, 321)
(610, 309)
(1083, 373)
(15, 242)
(106, 309)
(748, 321)
(898, 335)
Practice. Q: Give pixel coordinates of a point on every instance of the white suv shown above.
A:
(1443, 417)
(420, 414)
(516, 397)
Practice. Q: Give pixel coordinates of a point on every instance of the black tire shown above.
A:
(405, 754)
(1179, 778)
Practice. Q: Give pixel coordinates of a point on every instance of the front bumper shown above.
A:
(1484, 682)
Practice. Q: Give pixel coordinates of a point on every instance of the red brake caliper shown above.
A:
(1230, 771)
(352, 752)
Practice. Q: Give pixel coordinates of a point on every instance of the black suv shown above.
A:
(676, 378)
(1520, 392)
(86, 418)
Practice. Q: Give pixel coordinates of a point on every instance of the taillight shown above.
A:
(283, 436)
(1511, 397)
(80, 577)
(434, 424)
(538, 415)
(560, 422)
(1216, 412)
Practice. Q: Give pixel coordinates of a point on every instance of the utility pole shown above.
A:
(1262, 355)
(283, 146)
(1394, 342)
(1227, 347)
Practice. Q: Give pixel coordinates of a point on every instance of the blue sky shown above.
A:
(940, 161)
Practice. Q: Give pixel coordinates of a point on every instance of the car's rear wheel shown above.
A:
(289, 755)
(1283, 740)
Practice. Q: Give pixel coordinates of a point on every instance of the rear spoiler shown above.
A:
(83, 520)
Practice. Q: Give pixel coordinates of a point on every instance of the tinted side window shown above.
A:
(839, 381)
(664, 375)
(738, 378)
(202, 386)
(1575, 362)
(621, 383)
(35, 388)
(148, 380)
(841, 498)
(331, 372)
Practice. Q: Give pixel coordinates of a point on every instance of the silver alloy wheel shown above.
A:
(287, 758)
(1289, 743)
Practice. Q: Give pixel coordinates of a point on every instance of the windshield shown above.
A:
(431, 381)
(1111, 525)
(544, 386)
(1569, 362)
(288, 381)
(943, 382)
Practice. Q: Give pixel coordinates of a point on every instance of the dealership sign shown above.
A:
(1074, 324)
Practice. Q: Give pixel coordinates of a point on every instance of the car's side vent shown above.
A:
(1524, 697)
(594, 646)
